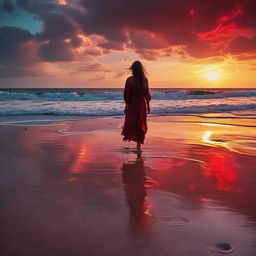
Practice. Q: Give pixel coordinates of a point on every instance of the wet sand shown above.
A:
(73, 187)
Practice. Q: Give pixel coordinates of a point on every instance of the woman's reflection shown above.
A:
(136, 195)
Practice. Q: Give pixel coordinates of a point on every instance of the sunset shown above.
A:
(76, 43)
(127, 127)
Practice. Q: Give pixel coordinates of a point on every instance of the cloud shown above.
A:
(95, 67)
(149, 24)
(152, 54)
(9, 71)
(13, 45)
(242, 44)
(57, 26)
(18, 53)
(112, 45)
(95, 71)
(200, 49)
(98, 77)
(57, 50)
(140, 39)
(121, 73)
(79, 29)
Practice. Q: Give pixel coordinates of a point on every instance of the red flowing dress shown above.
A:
(135, 124)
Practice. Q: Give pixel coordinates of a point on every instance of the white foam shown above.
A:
(106, 102)
(115, 108)
(105, 94)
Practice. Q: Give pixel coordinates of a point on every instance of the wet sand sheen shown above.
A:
(77, 189)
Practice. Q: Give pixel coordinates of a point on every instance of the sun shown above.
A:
(212, 76)
(211, 72)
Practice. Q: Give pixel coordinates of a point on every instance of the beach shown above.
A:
(79, 79)
(71, 186)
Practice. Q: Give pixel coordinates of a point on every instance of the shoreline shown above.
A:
(70, 186)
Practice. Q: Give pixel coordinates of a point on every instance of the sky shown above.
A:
(92, 43)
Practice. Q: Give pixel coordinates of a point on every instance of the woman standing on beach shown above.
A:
(137, 98)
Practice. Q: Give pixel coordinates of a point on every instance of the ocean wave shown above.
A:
(108, 108)
(118, 95)
(60, 96)
(202, 94)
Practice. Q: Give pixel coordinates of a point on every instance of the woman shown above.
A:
(137, 98)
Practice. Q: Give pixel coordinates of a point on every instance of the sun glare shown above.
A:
(212, 76)
(211, 72)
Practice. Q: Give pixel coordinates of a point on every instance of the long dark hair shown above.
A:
(138, 73)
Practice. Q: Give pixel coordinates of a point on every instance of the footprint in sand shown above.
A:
(222, 248)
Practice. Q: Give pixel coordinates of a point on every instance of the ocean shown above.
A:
(109, 102)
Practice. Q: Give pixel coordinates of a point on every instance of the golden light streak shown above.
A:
(79, 161)
(206, 137)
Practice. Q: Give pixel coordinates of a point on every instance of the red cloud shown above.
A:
(242, 44)
(150, 28)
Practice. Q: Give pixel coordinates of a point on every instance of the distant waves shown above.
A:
(109, 102)
(117, 94)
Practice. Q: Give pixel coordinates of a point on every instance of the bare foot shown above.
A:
(139, 151)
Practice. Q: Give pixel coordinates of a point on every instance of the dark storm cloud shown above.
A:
(57, 26)
(56, 50)
(13, 44)
(21, 51)
(17, 53)
(149, 27)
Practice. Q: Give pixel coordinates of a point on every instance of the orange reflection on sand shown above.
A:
(79, 160)
(206, 138)
(221, 165)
